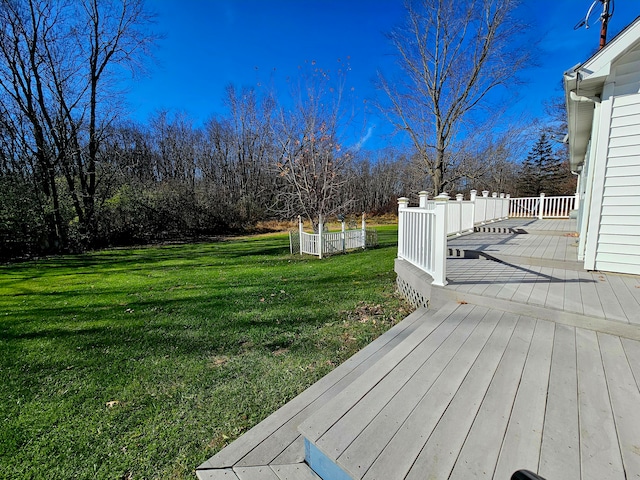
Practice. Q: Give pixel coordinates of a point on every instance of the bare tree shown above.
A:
(58, 63)
(452, 56)
(312, 161)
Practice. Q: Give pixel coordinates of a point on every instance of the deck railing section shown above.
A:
(423, 230)
(543, 206)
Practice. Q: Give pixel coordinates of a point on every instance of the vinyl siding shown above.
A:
(618, 247)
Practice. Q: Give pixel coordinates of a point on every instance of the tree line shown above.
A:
(76, 174)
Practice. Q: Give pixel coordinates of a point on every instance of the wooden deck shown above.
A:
(523, 361)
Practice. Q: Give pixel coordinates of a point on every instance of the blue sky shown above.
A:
(209, 44)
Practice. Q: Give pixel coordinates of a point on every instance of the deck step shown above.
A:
(493, 229)
(470, 253)
(443, 296)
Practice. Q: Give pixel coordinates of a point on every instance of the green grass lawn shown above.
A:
(142, 363)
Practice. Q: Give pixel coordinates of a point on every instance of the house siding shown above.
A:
(618, 246)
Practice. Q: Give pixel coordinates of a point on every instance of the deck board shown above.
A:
(590, 298)
(396, 458)
(441, 449)
(627, 301)
(328, 415)
(560, 449)
(573, 296)
(523, 438)
(480, 451)
(356, 420)
(599, 451)
(625, 399)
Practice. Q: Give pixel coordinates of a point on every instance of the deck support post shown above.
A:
(440, 242)
(541, 207)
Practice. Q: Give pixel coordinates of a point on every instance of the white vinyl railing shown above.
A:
(423, 230)
(421, 237)
(543, 207)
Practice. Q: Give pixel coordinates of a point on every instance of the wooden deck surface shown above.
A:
(520, 364)
(484, 393)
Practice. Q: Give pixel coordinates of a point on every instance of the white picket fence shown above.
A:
(327, 243)
(543, 207)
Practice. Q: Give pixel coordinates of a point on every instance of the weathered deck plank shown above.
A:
(480, 451)
(335, 441)
(560, 449)
(599, 450)
(329, 414)
(573, 295)
(522, 441)
(625, 399)
(397, 456)
(590, 298)
(441, 450)
(367, 445)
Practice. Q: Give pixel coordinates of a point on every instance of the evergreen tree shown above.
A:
(542, 171)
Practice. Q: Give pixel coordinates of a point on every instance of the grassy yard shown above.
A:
(142, 363)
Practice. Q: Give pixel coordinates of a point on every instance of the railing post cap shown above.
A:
(403, 201)
(494, 194)
(443, 197)
(502, 195)
(474, 191)
(508, 195)
(542, 194)
(459, 197)
(423, 193)
(485, 193)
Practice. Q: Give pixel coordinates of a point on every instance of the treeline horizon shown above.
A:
(77, 174)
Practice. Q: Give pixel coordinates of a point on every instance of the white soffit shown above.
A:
(587, 80)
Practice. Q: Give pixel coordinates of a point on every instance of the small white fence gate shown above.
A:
(328, 243)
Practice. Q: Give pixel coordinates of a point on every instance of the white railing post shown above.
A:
(541, 207)
(403, 203)
(364, 231)
(424, 196)
(485, 196)
(459, 198)
(320, 228)
(508, 205)
(494, 195)
(300, 232)
(344, 238)
(472, 199)
(440, 241)
(576, 201)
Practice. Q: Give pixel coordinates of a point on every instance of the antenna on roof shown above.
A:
(590, 18)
